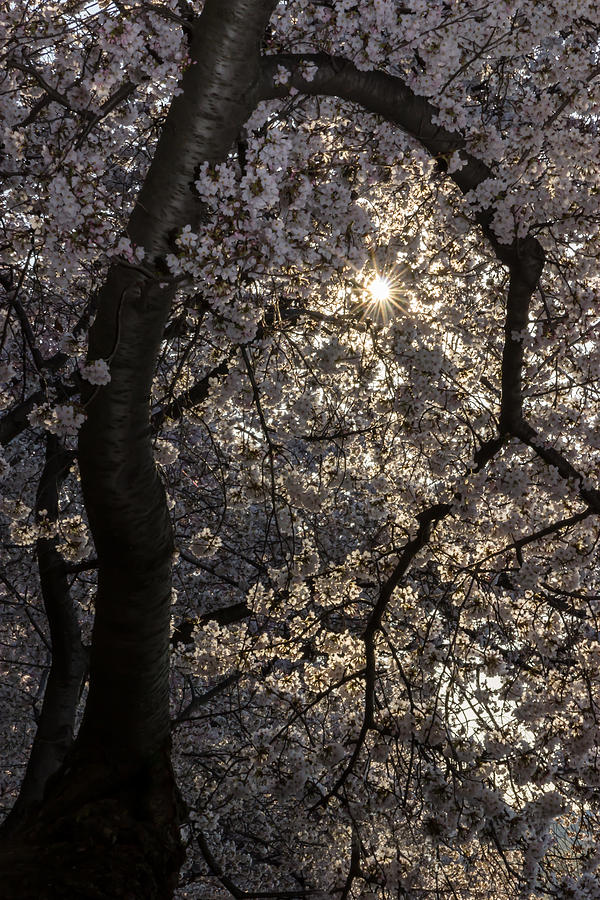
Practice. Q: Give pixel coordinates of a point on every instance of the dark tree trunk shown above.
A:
(108, 824)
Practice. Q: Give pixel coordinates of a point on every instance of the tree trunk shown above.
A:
(108, 823)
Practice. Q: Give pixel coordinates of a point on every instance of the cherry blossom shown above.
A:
(334, 441)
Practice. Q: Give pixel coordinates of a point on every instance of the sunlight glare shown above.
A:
(380, 289)
(383, 293)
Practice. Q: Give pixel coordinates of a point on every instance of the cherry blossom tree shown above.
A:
(299, 370)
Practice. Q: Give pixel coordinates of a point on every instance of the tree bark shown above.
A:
(69, 662)
(108, 824)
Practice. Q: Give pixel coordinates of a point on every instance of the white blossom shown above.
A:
(96, 372)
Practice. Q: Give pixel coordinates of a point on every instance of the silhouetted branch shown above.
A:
(557, 459)
(390, 97)
(69, 661)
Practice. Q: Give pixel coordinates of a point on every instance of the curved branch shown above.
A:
(390, 97)
(427, 519)
(69, 662)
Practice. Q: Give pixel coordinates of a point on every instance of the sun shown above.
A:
(383, 290)
(380, 289)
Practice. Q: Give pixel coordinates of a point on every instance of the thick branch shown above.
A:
(51, 92)
(190, 398)
(109, 104)
(16, 419)
(390, 97)
(565, 469)
(199, 391)
(427, 519)
(68, 667)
